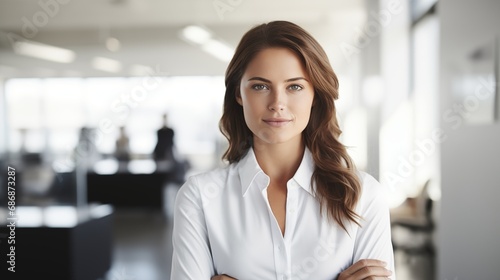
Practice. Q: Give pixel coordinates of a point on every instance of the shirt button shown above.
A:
(291, 210)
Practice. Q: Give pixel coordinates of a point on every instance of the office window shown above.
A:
(25, 114)
(425, 93)
(47, 115)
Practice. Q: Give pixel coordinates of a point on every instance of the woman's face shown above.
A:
(276, 96)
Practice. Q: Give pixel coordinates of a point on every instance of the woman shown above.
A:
(290, 205)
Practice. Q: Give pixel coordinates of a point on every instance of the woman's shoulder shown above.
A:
(217, 174)
(371, 188)
(367, 180)
(206, 180)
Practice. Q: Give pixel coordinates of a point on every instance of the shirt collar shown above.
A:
(250, 171)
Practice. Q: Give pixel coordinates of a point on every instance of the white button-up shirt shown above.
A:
(223, 224)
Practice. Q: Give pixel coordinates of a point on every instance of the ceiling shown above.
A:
(148, 31)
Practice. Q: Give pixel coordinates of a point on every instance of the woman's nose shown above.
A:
(277, 102)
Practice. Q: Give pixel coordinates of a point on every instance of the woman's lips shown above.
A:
(277, 122)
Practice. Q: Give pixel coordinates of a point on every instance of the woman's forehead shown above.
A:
(275, 63)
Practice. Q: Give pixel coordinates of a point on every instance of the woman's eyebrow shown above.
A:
(259, 79)
(296, 79)
(268, 81)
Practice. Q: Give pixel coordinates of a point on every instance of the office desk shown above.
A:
(59, 242)
(125, 190)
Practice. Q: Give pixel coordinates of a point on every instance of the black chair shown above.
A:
(413, 226)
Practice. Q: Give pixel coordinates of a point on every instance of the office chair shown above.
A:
(413, 228)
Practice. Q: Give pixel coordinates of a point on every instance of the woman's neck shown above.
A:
(279, 161)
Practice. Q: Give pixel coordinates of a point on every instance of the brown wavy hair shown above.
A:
(336, 185)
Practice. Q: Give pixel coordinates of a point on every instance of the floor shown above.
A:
(143, 242)
(414, 266)
(143, 249)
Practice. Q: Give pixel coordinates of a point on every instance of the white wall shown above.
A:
(394, 56)
(3, 121)
(469, 228)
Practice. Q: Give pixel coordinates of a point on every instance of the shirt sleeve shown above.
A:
(192, 258)
(373, 239)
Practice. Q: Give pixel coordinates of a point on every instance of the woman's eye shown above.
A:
(260, 87)
(295, 87)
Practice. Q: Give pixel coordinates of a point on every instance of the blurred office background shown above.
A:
(86, 85)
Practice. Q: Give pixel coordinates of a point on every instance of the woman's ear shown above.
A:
(238, 97)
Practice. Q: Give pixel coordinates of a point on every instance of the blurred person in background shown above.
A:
(122, 151)
(165, 156)
(164, 149)
(291, 204)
